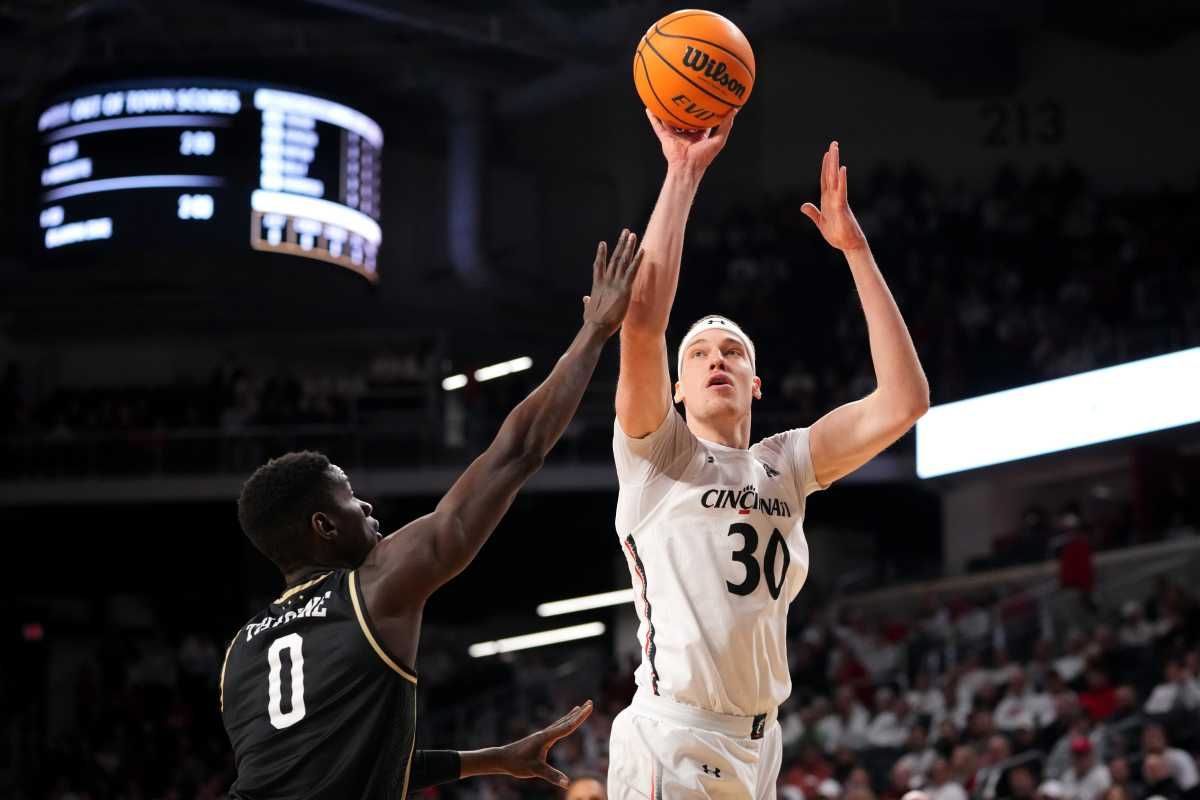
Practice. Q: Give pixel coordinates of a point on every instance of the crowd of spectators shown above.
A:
(966, 699)
(1035, 277)
(971, 701)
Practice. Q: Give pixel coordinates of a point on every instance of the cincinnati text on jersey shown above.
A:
(745, 500)
(313, 608)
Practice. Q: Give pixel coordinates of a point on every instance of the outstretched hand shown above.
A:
(612, 283)
(692, 148)
(834, 218)
(526, 758)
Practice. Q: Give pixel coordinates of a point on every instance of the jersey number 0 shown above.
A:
(745, 557)
(294, 644)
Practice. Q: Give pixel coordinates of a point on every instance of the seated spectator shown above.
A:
(893, 719)
(1135, 632)
(1003, 669)
(925, 699)
(1055, 738)
(1179, 691)
(964, 766)
(1156, 773)
(1122, 776)
(1099, 699)
(586, 787)
(1087, 778)
(980, 727)
(809, 772)
(846, 726)
(1070, 665)
(948, 738)
(900, 782)
(1021, 784)
(941, 785)
(1023, 706)
(972, 676)
(918, 755)
(1180, 763)
(991, 780)
(1121, 728)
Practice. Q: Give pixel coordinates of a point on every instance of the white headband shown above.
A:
(728, 326)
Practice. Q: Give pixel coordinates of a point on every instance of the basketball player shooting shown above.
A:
(711, 525)
(318, 692)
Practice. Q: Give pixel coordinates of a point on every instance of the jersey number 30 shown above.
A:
(745, 557)
(294, 644)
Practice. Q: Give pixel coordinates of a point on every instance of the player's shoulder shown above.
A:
(780, 443)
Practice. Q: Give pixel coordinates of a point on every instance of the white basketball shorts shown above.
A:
(662, 750)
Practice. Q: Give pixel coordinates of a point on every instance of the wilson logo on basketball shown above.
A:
(696, 59)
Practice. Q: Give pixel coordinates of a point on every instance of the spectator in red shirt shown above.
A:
(1099, 700)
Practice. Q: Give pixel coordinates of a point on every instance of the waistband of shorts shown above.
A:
(693, 717)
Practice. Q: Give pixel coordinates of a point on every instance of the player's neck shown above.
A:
(295, 575)
(733, 433)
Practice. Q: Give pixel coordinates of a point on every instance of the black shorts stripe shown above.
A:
(650, 649)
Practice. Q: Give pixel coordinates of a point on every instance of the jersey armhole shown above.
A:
(225, 666)
(364, 623)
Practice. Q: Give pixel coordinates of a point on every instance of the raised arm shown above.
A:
(851, 435)
(644, 383)
(406, 567)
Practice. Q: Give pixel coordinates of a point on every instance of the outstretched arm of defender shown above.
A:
(644, 385)
(430, 551)
(851, 435)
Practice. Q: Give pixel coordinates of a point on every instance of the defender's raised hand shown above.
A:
(834, 218)
(526, 758)
(612, 283)
(692, 148)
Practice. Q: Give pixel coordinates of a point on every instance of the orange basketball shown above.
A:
(692, 68)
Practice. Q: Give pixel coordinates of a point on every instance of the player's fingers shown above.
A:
(825, 172)
(726, 124)
(843, 185)
(565, 726)
(630, 251)
(812, 212)
(657, 125)
(598, 264)
(570, 721)
(635, 265)
(620, 250)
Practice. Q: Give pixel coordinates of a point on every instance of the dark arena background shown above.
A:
(233, 229)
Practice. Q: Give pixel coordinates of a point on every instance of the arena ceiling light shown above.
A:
(529, 640)
(454, 382)
(503, 368)
(1139, 397)
(488, 373)
(585, 603)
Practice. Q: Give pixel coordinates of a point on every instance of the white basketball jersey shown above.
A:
(715, 544)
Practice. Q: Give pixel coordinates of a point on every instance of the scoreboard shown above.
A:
(211, 168)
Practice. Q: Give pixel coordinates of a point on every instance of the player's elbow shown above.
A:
(908, 407)
(919, 404)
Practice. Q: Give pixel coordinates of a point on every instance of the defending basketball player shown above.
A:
(318, 693)
(711, 525)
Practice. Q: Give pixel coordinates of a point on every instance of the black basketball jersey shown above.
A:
(314, 705)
